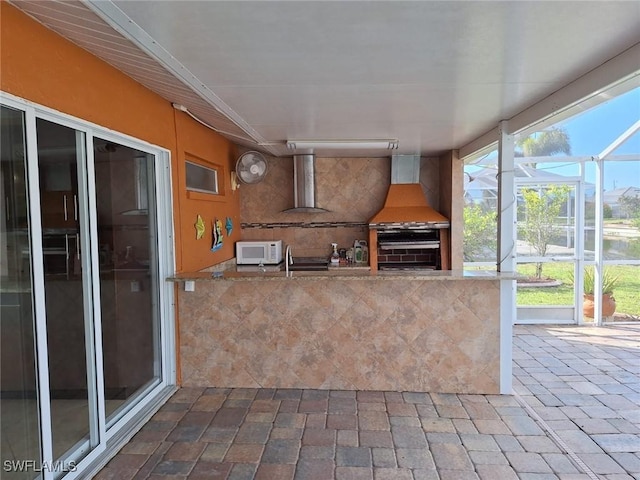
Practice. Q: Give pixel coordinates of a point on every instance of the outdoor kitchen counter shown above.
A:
(346, 273)
(436, 331)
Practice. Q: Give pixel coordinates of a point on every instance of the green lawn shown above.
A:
(627, 293)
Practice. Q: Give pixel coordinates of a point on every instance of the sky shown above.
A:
(590, 132)
(595, 129)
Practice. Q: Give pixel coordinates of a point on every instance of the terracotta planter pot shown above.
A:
(608, 305)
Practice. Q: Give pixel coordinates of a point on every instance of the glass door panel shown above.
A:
(58, 150)
(128, 278)
(19, 422)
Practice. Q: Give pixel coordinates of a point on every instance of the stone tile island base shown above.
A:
(374, 333)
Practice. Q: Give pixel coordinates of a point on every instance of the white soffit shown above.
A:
(79, 24)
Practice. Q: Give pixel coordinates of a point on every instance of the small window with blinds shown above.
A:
(201, 179)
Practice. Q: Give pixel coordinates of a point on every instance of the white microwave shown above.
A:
(268, 252)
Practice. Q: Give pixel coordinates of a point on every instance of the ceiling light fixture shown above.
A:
(343, 144)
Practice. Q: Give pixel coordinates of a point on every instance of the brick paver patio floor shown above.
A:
(574, 414)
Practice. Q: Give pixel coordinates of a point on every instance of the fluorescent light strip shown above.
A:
(343, 144)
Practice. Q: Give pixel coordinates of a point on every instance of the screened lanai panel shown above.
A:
(481, 210)
(546, 220)
(621, 235)
(554, 289)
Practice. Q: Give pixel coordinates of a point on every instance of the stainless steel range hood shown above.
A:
(304, 185)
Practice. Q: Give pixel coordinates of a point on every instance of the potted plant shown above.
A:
(609, 281)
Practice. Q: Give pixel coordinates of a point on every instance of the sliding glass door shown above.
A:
(85, 318)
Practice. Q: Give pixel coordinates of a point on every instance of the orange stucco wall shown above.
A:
(39, 65)
(199, 145)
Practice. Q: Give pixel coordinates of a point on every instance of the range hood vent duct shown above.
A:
(405, 169)
(304, 185)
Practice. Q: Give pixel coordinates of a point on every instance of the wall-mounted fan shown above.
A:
(251, 167)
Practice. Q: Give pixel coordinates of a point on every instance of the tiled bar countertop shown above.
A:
(436, 331)
(346, 273)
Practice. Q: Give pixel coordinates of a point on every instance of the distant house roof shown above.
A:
(613, 196)
(486, 178)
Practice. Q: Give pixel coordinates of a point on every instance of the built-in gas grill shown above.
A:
(408, 249)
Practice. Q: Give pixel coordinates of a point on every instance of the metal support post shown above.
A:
(506, 251)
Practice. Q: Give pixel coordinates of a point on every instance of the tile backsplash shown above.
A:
(312, 240)
(351, 189)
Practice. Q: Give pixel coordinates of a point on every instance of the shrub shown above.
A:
(609, 281)
(479, 232)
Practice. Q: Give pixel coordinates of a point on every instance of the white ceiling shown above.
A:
(433, 74)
